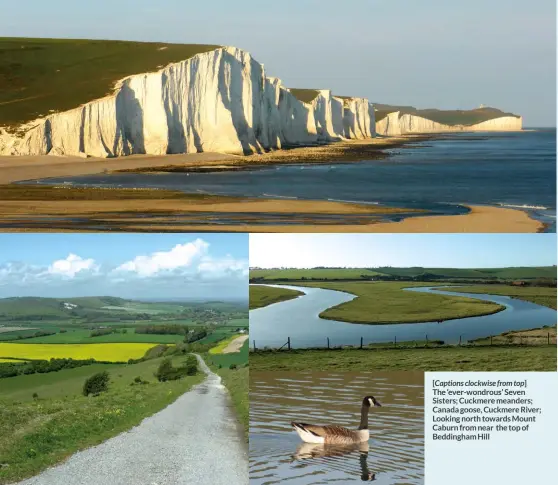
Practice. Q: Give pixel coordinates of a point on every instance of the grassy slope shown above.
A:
(35, 434)
(82, 336)
(446, 117)
(235, 380)
(539, 295)
(261, 296)
(35, 74)
(387, 302)
(542, 358)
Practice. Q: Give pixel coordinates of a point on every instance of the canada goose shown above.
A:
(311, 433)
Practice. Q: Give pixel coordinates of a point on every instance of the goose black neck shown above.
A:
(364, 417)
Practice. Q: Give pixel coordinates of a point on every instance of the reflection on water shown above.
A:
(299, 319)
(394, 454)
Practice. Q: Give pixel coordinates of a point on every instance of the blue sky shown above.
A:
(402, 250)
(430, 54)
(153, 266)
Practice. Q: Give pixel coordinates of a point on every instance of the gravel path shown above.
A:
(195, 440)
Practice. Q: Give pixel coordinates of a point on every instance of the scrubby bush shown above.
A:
(232, 366)
(35, 395)
(96, 384)
(166, 371)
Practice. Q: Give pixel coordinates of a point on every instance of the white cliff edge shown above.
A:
(393, 124)
(219, 101)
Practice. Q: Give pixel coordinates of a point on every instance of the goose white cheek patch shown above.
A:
(477, 420)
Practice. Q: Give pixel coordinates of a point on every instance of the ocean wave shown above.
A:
(279, 196)
(523, 206)
(354, 201)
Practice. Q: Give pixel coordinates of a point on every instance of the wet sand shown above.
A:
(158, 210)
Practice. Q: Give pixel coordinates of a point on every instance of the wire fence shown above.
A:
(504, 340)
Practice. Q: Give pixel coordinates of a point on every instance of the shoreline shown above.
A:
(161, 210)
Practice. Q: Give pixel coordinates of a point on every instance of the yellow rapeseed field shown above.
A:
(117, 352)
(218, 349)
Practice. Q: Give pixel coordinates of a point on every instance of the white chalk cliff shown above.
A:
(220, 101)
(396, 124)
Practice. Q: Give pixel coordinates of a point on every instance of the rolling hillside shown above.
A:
(35, 74)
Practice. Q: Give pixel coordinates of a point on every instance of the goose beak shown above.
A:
(377, 404)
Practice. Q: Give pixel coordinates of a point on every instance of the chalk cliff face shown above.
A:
(396, 124)
(218, 101)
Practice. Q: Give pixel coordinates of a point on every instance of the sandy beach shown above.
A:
(43, 208)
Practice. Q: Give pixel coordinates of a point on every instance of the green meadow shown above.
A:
(485, 358)
(44, 418)
(261, 296)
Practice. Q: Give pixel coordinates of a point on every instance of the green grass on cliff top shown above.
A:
(446, 117)
(38, 76)
(304, 95)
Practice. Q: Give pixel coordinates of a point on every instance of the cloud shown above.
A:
(182, 256)
(71, 266)
(210, 268)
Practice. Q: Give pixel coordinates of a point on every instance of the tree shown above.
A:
(96, 384)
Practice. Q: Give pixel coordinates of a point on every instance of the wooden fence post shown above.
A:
(361, 341)
(289, 343)
(328, 342)
(254, 344)
(426, 340)
(548, 339)
(460, 340)
(395, 342)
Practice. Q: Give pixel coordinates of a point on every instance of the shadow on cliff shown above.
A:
(232, 99)
(129, 139)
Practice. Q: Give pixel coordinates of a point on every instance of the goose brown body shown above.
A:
(338, 435)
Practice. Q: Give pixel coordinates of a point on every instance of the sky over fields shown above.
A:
(429, 54)
(402, 250)
(149, 266)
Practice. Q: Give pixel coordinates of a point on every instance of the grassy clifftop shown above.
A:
(446, 117)
(304, 95)
(39, 76)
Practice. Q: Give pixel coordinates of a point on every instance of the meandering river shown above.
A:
(298, 319)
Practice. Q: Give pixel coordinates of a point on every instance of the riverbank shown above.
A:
(540, 295)
(481, 358)
(386, 303)
(262, 296)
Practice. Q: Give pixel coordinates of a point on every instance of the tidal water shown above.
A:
(498, 169)
(394, 454)
(299, 319)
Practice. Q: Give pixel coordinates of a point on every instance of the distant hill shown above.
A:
(38, 76)
(446, 117)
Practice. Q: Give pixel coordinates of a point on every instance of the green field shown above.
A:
(226, 360)
(83, 336)
(261, 296)
(485, 358)
(387, 303)
(317, 273)
(516, 273)
(539, 295)
(36, 73)
(36, 433)
(304, 95)
(446, 117)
